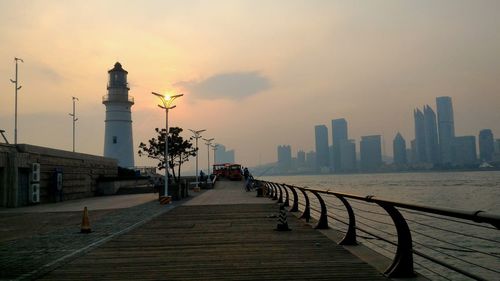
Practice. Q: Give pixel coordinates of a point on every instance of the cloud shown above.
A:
(232, 86)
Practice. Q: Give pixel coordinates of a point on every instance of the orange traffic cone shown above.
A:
(85, 227)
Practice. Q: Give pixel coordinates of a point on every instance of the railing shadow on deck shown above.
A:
(448, 244)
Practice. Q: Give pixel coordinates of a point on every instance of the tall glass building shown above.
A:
(399, 150)
(431, 136)
(446, 128)
(371, 153)
(486, 145)
(322, 150)
(420, 151)
(339, 135)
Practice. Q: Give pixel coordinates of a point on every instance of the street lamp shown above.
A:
(208, 142)
(214, 147)
(197, 135)
(16, 89)
(74, 120)
(167, 104)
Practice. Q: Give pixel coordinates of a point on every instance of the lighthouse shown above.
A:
(118, 141)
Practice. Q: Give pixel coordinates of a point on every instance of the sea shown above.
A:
(453, 241)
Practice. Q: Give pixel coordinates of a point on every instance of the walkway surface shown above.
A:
(37, 239)
(223, 234)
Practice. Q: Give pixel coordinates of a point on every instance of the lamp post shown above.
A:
(73, 115)
(16, 89)
(208, 142)
(197, 135)
(214, 147)
(167, 104)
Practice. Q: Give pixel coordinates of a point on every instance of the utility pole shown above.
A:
(16, 88)
(73, 115)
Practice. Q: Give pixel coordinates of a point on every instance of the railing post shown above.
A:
(268, 189)
(286, 203)
(402, 265)
(323, 218)
(280, 198)
(350, 236)
(307, 210)
(275, 193)
(295, 206)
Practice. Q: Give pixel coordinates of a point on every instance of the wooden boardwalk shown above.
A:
(219, 242)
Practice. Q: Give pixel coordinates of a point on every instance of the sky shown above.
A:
(254, 74)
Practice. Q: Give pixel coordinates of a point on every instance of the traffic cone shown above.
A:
(85, 227)
(282, 222)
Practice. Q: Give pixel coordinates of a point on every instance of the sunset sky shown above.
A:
(255, 74)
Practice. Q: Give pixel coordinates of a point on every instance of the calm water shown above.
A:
(461, 190)
(470, 191)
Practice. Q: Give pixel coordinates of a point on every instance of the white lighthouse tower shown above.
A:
(118, 142)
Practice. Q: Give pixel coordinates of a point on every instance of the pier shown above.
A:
(221, 234)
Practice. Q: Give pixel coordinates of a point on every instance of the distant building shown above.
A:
(311, 160)
(420, 152)
(431, 136)
(322, 151)
(301, 159)
(465, 150)
(399, 150)
(284, 158)
(118, 140)
(496, 154)
(339, 135)
(224, 156)
(446, 129)
(486, 145)
(426, 136)
(371, 153)
(347, 156)
(412, 159)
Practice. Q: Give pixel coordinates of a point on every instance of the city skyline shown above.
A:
(434, 146)
(251, 84)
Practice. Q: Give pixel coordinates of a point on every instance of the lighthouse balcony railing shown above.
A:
(118, 98)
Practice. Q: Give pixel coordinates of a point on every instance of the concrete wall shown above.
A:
(80, 173)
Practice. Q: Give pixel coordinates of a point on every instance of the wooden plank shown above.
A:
(218, 242)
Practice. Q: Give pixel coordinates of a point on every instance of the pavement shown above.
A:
(225, 193)
(37, 239)
(92, 203)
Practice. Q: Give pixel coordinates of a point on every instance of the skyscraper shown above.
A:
(339, 135)
(301, 159)
(431, 136)
(284, 158)
(465, 150)
(446, 128)
(322, 151)
(371, 153)
(118, 141)
(486, 145)
(399, 150)
(421, 155)
(222, 155)
(311, 160)
(347, 156)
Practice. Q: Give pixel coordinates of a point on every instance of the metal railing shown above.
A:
(118, 98)
(430, 246)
